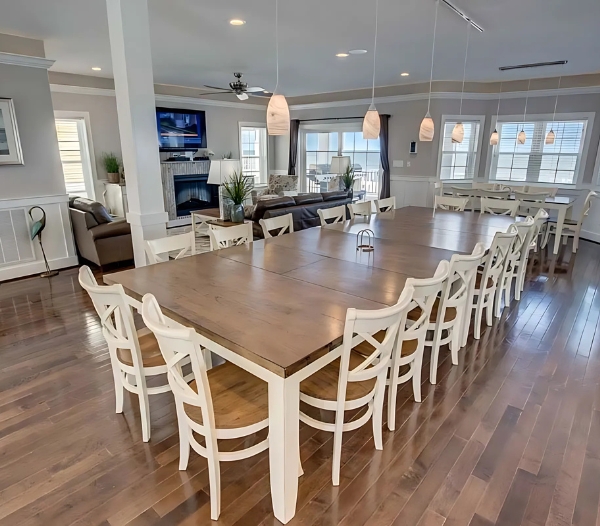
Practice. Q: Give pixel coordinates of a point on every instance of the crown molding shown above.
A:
(447, 96)
(169, 99)
(27, 61)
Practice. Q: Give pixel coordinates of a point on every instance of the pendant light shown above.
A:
(278, 112)
(427, 130)
(372, 123)
(522, 137)
(550, 138)
(495, 138)
(458, 133)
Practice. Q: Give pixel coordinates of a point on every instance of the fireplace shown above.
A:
(192, 192)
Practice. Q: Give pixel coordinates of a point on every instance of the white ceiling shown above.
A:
(193, 44)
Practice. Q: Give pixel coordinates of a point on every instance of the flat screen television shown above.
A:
(180, 130)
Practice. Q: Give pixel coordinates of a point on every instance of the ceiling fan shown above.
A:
(240, 89)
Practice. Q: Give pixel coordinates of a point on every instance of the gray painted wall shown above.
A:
(41, 175)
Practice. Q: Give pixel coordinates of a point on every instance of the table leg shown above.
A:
(284, 407)
(560, 223)
(193, 234)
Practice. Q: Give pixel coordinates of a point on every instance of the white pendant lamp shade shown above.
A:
(550, 137)
(278, 116)
(371, 124)
(495, 138)
(427, 130)
(522, 137)
(458, 133)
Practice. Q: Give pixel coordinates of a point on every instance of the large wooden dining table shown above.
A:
(276, 306)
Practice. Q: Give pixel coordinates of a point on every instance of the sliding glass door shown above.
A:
(320, 142)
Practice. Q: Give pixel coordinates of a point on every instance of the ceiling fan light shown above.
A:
(427, 130)
(522, 137)
(278, 116)
(371, 124)
(495, 138)
(550, 137)
(458, 133)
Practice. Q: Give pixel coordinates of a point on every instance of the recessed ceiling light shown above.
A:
(96, 68)
(404, 74)
(342, 55)
(237, 22)
(357, 51)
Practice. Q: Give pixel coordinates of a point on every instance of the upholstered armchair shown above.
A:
(277, 185)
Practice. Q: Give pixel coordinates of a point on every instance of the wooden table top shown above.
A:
(280, 302)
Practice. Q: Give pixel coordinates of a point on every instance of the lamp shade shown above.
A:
(339, 164)
(222, 170)
(371, 124)
(522, 137)
(495, 138)
(427, 130)
(550, 137)
(278, 116)
(458, 133)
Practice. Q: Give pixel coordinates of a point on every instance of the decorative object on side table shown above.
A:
(37, 228)
(237, 189)
(219, 172)
(348, 179)
(10, 144)
(112, 165)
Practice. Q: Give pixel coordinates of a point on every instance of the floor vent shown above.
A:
(15, 243)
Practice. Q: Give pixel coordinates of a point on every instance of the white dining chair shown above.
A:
(439, 188)
(134, 354)
(515, 263)
(572, 228)
(449, 310)
(354, 379)
(526, 197)
(551, 191)
(410, 346)
(223, 403)
(486, 283)
(385, 205)
(457, 204)
(282, 225)
(540, 219)
(158, 250)
(363, 208)
(232, 236)
(500, 207)
(329, 216)
(495, 194)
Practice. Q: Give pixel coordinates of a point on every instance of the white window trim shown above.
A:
(476, 118)
(266, 154)
(88, 148)
(589, 116)
(596, 175)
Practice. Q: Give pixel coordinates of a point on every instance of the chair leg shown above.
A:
(118, 378)
(565, 239)
(576, 243)
(214, 478)
(417, 365)
(455, 342)
(300, 470)
(498, 299)
(184, 438)
(435, 355)
(378, 413)
(337, 448)
(145, 414)
(489, 312)
(478, 317)
(392, 393)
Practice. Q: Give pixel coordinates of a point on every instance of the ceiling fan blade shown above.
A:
(215, 87)
(242, 96)
(261, 94)
(215, 93)
(255, 89)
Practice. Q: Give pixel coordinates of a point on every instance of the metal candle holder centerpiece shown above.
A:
(360, 240)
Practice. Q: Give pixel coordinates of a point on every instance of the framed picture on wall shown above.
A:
(10, 144)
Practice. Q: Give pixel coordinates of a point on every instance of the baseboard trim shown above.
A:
(590, 236)
(36, 267)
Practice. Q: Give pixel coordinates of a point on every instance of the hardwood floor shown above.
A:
(508, 437)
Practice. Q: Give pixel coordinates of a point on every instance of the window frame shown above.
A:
(263, 158)
(546, 117)
(464, 118)
(90, 175)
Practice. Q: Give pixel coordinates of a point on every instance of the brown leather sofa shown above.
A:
(99, 237)
(303, 208)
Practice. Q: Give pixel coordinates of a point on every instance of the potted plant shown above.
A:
(238, 188)
(348, 179)
(112, 165)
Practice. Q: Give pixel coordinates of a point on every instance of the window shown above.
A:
(74, 156)
(460, 160)
(253, 148)
(320, 143)
(536, 161)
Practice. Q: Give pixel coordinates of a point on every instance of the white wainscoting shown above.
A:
(14, 234)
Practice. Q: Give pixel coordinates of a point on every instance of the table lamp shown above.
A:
(339, 164)
(221, 171)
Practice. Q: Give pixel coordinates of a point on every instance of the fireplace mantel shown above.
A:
(168, 170)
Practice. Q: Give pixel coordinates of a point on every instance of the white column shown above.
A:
(129, 29)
